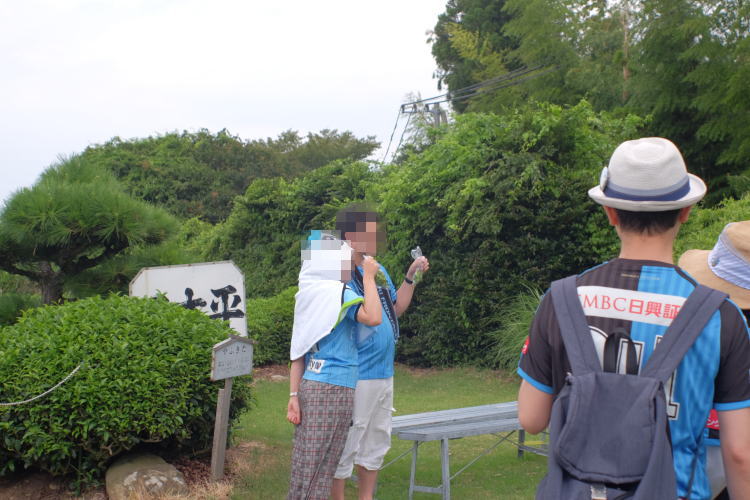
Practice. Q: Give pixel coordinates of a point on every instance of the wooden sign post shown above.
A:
(230, 358)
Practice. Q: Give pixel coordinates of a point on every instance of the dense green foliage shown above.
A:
(115, 274)
(198, 174)
(705, 224)
(13, 304)
(684, 63)
(74, 218)
(495, 203)
(144, 379)
(269, 322)
(514, 322)
(263, 233)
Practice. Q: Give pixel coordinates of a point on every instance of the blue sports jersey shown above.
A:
(378, 349)
(642, 297)
(334, 359)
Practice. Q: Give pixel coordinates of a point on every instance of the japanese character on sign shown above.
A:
(227, 311)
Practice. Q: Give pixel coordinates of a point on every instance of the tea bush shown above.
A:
(144, 379)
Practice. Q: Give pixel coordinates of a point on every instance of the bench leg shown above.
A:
(446, 469)
(521, 439)
(414, 450)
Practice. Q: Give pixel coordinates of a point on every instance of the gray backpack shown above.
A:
(609, 435)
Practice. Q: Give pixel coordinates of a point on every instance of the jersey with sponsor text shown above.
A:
(643, 297)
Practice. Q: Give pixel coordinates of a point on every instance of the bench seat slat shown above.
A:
(455, 416)
(453, 431)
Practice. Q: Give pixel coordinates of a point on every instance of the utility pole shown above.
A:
(438, 115)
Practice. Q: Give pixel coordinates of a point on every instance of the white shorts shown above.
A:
(369, 436)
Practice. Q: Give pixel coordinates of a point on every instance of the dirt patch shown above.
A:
(271, 372)
(195, 470)
(42, 486)
(415, 371)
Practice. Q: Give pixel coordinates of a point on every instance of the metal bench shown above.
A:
(443, 425)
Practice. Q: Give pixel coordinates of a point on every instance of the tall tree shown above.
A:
(74, 218)
(460, 65)
(664, 33)
(579, 47)
(721, 78)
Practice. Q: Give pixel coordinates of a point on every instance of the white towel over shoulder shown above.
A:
(318, 306)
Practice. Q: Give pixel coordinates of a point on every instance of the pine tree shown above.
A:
(74, 218)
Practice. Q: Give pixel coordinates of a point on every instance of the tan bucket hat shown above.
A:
(727, 266)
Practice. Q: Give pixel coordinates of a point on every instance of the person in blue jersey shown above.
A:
(647, 194)
(727, 268)
(324, 368)
(369, 437)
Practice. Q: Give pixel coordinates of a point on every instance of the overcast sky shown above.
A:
(79, 72)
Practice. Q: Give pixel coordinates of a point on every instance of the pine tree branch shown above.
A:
(23, 272)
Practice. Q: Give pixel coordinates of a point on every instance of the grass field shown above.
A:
(267, 438)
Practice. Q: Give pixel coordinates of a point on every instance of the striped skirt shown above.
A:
(326, 412)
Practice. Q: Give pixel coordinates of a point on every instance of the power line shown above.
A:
(408, 118)
(497, 87)
(395, 125)
(476, 86)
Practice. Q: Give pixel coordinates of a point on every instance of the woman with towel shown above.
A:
(324, 358)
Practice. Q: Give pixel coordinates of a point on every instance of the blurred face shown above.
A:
(365, 240)
(331, 259)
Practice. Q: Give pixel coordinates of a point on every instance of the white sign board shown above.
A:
(231, 358)
(216, 288)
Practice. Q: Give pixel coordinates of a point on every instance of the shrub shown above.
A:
(269, 321)
(13, 304)
(144, 379)
(496, 202)
(705, 224)
(514, 323)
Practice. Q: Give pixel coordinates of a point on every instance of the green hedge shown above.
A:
(13, 304)
(705, 224)
(144, 379)
(269, 322)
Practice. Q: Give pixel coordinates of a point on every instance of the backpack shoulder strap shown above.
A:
(697, 310)
(574, 328)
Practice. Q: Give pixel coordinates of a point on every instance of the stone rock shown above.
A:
(277, 378)
(143, 473)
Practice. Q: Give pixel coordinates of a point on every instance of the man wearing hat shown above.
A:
(725, 268)
(647, 194)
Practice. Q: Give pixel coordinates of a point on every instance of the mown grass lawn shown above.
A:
(499, 475)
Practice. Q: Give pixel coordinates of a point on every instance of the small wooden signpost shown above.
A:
(230, 358)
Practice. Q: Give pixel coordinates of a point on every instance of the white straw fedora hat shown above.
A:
(727, 266)
(647, 175)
